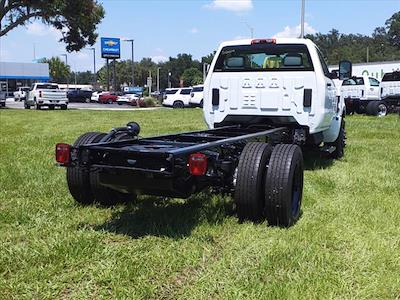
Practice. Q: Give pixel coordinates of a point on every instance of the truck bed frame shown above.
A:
(158, 165)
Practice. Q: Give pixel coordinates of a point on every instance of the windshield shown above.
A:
(264, 57)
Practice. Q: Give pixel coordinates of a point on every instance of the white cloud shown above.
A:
(240, 37)
(39, 29)
(159, 58)
(194, 30)
(231, 5)
(295, 31)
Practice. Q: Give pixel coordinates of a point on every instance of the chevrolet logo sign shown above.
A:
(110, 43)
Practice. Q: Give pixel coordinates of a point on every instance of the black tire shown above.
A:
(78, 179)
(109, 101)
(51, 107)
(340, 142)
(369, 108)
(64, 107)
(178, 104)
(26, 106)
(249, 191)
(379, 109)
(284, 185)
(37, 106)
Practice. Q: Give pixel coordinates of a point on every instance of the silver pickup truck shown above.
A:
(46, 94)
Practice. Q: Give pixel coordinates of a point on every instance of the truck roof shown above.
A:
(277, 41)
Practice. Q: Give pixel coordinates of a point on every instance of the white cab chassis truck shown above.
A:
(389, 93)
(46, 94)
(265, 101)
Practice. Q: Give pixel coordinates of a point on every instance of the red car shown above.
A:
(108, 97)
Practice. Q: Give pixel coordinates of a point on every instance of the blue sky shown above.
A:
(166, 28)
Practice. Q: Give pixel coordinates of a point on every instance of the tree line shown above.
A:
(382, 45)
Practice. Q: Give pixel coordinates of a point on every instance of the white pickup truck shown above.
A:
(281, 81)
(46, 94)
(358, 92)
(21, 93)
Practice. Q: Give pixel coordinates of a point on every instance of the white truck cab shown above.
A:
(361, 88)
(46, 94)
(277, 81)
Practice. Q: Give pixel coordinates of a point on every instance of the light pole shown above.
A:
(94, 65)
(169, 81)
(66, 62)
(303, 4)
(158, 79)
(133, 67)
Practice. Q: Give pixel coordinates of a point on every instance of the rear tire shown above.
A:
(178, 104)
(284, 185)
(78, 178)
(27, 106)
(249, 191)
(51, 107)
(64, 107)
(37, 106)
(379, 109)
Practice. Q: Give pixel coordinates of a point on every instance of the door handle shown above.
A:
(329, 84)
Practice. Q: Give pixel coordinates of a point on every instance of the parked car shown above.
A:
(21, 93)
(108, 97)
(3, 97)
(46, 94)
(95, 96)
(131, 99)
(79, 95)
(177, 97)
(358, 92)
(196, 96)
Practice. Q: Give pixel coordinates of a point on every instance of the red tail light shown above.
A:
(63, 154)
(263, 41)
(198, 164)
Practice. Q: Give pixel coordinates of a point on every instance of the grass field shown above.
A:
(345, 246)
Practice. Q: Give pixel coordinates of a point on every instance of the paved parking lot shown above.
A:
(10, 103)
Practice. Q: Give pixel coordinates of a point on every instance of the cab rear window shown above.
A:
(395, 76)
(264, 57)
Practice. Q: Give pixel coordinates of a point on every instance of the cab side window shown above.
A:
(373, 81)
(323, 63)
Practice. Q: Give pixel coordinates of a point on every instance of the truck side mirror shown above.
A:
(345, 69)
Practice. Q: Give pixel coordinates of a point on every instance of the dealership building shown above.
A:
(14, 75)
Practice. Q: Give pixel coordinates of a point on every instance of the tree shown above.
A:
(393, 29)
(77, 20)
(192, 76)
(59, 71)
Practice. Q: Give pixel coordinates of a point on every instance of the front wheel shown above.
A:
(340, 142)
(64, 107)
(284, 185)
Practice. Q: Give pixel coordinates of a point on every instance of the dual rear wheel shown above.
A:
(269, 183)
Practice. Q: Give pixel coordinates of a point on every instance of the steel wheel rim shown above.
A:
(382, 110)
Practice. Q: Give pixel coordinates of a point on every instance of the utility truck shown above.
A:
(389, 92)
(265, 100)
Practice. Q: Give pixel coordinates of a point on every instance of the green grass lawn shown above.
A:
(346, 244)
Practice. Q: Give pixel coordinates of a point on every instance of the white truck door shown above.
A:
(372, 89)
